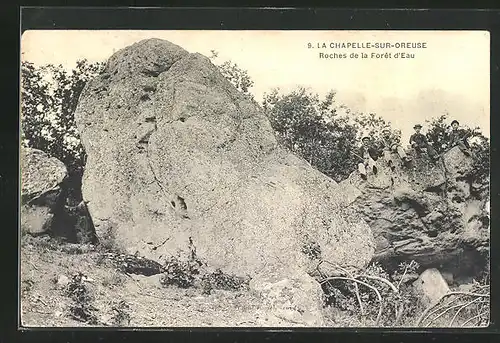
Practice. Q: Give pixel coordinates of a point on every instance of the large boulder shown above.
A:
(428, 212)
(41, 179)
(181, 163)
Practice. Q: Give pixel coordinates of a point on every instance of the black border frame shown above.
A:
(233, 19)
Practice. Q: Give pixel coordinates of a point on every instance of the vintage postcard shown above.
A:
(255, 178)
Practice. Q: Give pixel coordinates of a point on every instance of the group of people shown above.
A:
(388, 144)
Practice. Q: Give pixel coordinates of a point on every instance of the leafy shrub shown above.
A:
(121, 313)
(234, 74)
(460, 308)
(220, 280)
(182, 274)
(81, 309)
(193, 273)
(395, 303)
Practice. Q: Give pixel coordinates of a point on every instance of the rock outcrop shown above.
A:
(429, 212)
(181, 163)
(41, 179)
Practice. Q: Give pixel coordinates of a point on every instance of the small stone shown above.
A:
(87, 279)
(431, 285)
(62, 281)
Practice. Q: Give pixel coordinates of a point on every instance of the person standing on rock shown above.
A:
(368, 155)
(390, 143)
(419, 142)
(458, 137)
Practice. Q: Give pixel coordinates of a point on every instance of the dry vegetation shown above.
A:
(73, 285)
(78, 285)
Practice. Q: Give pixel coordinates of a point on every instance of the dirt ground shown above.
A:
(70, 285)
(117, 299)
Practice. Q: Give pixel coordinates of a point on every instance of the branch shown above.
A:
(476, 316)
(364, 284)
(461, 308)
(404, 273)
(387, 282)
(356, 289)
(443, 313)
(424, 314)
(399, 313)
(436, 309)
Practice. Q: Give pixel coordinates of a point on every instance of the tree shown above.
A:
(234, 74)
(49, 96)
(318, 129)
(372, 125)
(325, 133)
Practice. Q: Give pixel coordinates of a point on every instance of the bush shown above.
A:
(380, 299)
(178, 273)
(377, 297)
(193, 273)
(223, 281)
(234, 74)
(82, 308)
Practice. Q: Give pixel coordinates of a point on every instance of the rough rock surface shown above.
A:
(181, 163)
(41, 178)
(429, 212)
(297, 299)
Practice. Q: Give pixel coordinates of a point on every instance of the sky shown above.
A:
(450, 74)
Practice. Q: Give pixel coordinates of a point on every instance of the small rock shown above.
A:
(296, 299)
(87, 279)
(467, 287)
(62, 281)
(431, 285)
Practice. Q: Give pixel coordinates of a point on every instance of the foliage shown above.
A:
(49, 96)
(234, 74)
(193, 273)
(459, 308)
(182, 274)
(121, 313)
(377, 298)
(82, 308)
(372, 125)
(221, 280)
(328, 134)
(324, 133)
(438, 136)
